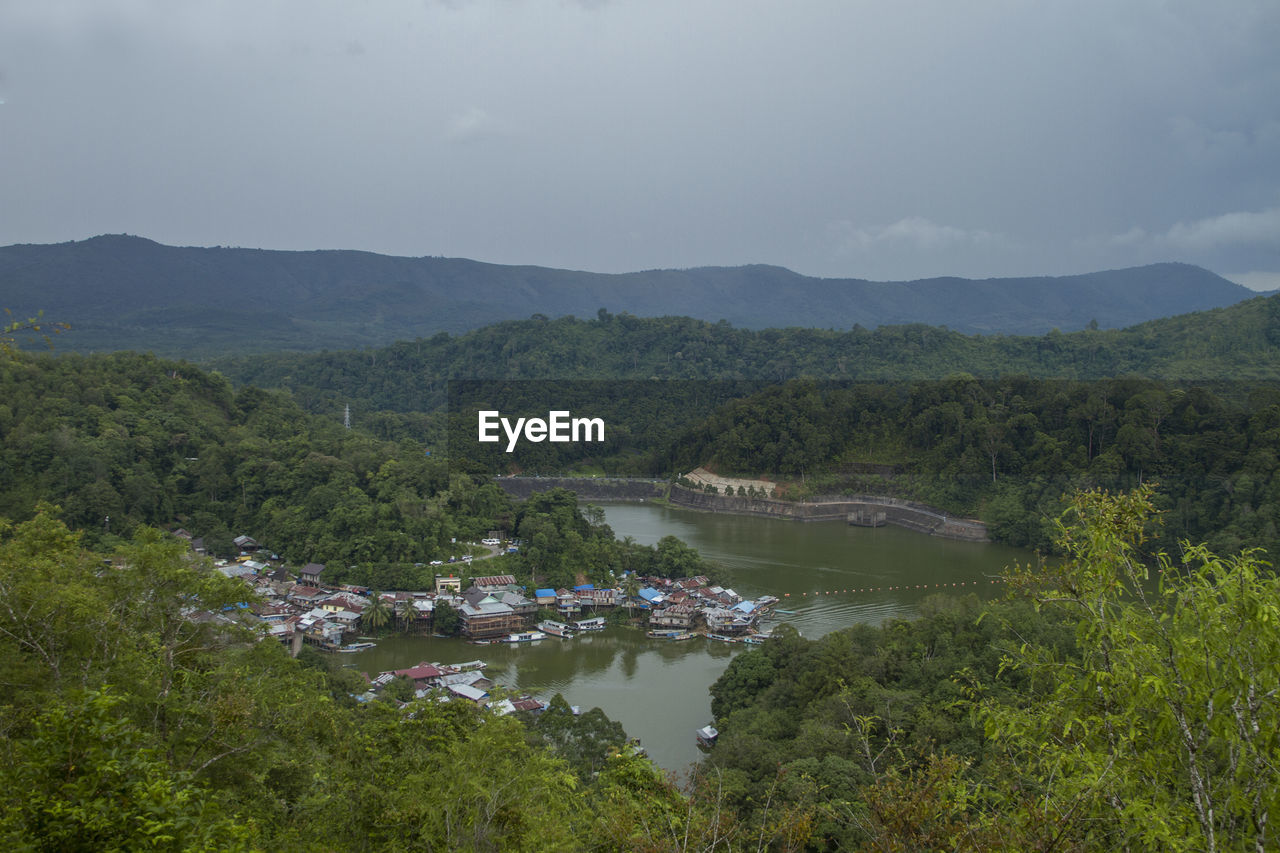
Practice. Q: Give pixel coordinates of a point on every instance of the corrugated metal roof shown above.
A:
(466, 691)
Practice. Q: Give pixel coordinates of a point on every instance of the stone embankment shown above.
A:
(861, 510)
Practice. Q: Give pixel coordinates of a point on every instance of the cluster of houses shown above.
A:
(461, 681)
(300, 609)
(691, 604)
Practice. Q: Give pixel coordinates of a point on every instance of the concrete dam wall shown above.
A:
(861, 510)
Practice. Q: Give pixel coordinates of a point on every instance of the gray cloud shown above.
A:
(1256, 280)
(872, 139)
(1242, 228)
(472, 124)
(913, 232)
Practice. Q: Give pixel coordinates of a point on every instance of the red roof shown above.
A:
(420, 672)
(495, 580)
(527, 705)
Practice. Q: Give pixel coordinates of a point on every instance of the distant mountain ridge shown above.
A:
(124, 292)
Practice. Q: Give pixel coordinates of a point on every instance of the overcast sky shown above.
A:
(880, 139)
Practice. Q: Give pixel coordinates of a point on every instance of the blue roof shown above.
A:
(545, 593)
(649, 593)
(585, 586)
(745, 606)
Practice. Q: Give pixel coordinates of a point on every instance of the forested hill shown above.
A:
(123, 292)
(1239, 342)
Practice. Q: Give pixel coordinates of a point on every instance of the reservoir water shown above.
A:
(828, 573)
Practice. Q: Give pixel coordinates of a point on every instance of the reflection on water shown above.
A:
(830, 574)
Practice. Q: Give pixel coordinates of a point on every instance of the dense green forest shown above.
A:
(125, 440)
(136, 714)
(1005, 450)
(1237, 343)
(1121, 699)
(140, 713)
(1008, 450)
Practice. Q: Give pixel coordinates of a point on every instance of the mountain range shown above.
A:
(127, 292)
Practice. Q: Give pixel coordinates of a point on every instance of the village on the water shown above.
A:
(298, 609)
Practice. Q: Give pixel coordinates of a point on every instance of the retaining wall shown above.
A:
(863, 510)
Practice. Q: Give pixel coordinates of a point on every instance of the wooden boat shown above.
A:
(555, 629)
(526, 637)
(707, 736)
(356, 647)
(664, 633)
(594, 624)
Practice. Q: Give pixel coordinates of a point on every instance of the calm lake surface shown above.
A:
(832, 575)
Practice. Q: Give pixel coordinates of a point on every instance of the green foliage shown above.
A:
(86, 778)
(863, 707)
(138, 711)
(377, 614)
(585, 741)
(1236, 343)
(1136, 706)
(446, 620)
(1165, 734)
(562, 543)
(11, 331)
(128, 440)
(1006, 450)
(125, 718)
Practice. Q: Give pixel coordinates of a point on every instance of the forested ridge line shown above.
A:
(1003, 450)
(122, 292)
(1241, 342)
(126, 722)
(1008, 450)
(125, 439)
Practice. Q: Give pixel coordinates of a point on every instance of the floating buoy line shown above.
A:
(856, 590)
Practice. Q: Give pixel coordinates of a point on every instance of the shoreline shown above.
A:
(858, 510)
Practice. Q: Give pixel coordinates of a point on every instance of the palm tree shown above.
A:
(407, 612)
(377, 614)
(631, 588)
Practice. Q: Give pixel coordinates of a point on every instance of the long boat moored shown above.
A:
(526, 637)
